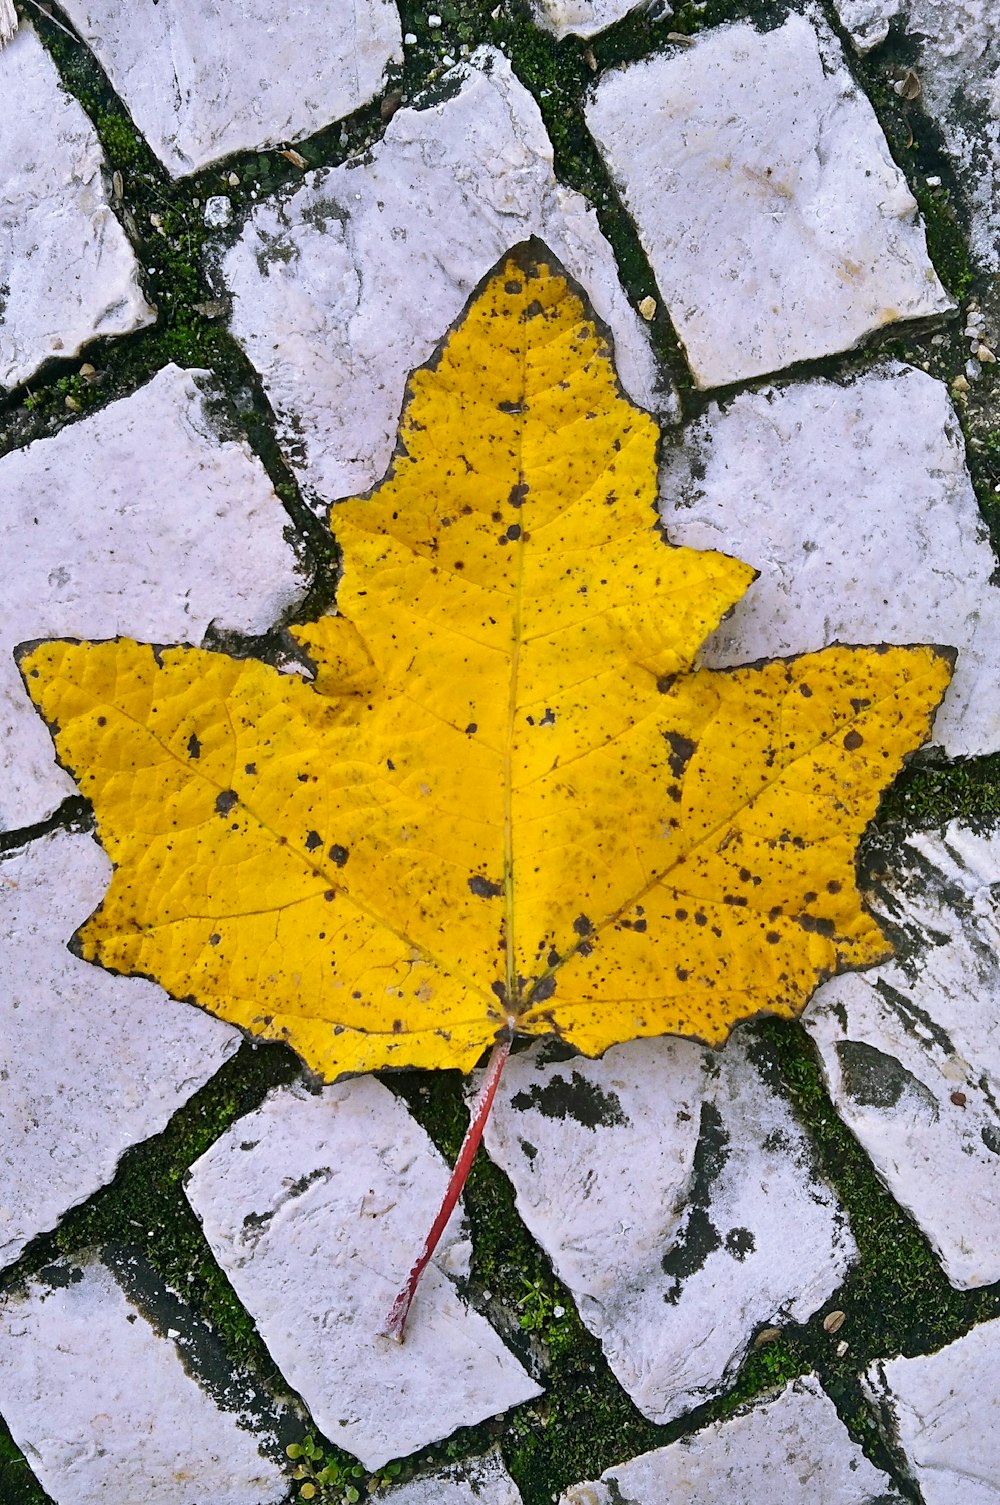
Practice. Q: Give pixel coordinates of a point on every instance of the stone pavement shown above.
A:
(227, 235)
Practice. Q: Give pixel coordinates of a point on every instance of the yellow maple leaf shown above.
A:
(507, 794)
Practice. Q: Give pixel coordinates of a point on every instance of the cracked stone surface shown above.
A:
(911, 1049)
(315, 1206)
(789, 1450)
(855, 504)
(480, 1481)
(103, 1408)
(50, 176)
(958, 63)
(340, 290)
(202, 78)
(675, 1195)
(99, 541)
(944, 1410)
(91, 1063)
(779, 228)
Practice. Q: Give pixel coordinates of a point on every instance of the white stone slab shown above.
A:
(777, 224)
(316, 1206)
(855, 505)
(581, 18)
(674, 1194)
(944, 1410)
(67, 272)
(788, 1450)
(911, 1049)
(483, 1481)
(103, 1409)
(343, 288)
(143, 521)
(90, 1063)
(203, 78)
(958, 63)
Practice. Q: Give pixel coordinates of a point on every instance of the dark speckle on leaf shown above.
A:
(339, 855)
(193, 747)
(313, 840)
(483, 888)
(225, 801)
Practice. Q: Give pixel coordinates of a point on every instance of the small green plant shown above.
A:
(331, 1480)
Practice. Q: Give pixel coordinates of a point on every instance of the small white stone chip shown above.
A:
(343, 288)
(854, 503)
(944, 1410)
(141, 520)
(103, 1409)
(316, 1206)
(583, 18)
(777, 225)
(204, 78)
(675, 1195)
(911, 1049)
(788, 1450)
(90, 1063)
(76, 278)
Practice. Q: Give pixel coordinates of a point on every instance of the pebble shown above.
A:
(676, 1197)
(104, 1406)
(315, 1206)
(733, 205)
(911, 1049)
(350, 282)
(218, 211)
(854, 502)
(51, 174)
(213, 549)
(789, 1449)
(943, 1411)
(92, 1063)
(204, 80)
(477, 1481)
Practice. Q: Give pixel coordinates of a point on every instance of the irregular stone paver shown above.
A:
(316, 1206)
(202, 78)
(958, 65)
(67, 272)
(103, 1409)
(792, 1450)
(675, 1196)
(580, 18)
(479, 1481)
(142, 520)
(855, 505)
(90, 1063)
(342, 289)
(944, 1410)
(776, 222)
(911, 1049)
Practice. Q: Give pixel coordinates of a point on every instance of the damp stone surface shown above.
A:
(342, 288)
(103, 1408)
(144, 521)
(854, 502)
(55, 215)
(674, 1193)
(911, 1049)
(202, 78)
(315, 1206)
(791, 1449)
(90, 1063)
(777, 225)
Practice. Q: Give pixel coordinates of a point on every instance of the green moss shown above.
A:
(18, 1485)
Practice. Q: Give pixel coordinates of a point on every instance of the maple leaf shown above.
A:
(507, 799)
